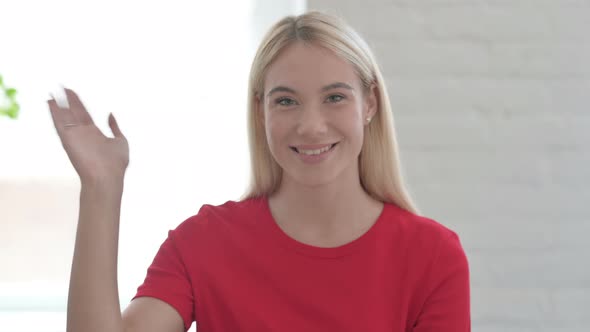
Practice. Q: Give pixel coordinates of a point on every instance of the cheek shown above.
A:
(275, 130)
(356, 131)
(350, 122)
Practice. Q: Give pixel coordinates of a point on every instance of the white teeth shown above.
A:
(314, 152)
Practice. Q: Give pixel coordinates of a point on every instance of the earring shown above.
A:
(368, 119)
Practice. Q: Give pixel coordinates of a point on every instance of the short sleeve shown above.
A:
(167, 279)
(447, 305)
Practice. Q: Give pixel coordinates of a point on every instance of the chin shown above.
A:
(314, 180)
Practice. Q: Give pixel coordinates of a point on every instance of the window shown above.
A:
(174, 73)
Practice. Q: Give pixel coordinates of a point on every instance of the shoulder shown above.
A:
(433, 250)
(231, 209)
(211, 217)
(437, 271)
(417, 227)
(424, 239)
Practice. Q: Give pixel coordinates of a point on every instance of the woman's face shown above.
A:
(314, 113)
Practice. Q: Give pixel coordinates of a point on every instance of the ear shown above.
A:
(371, 103)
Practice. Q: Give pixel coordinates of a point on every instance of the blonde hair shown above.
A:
(379, 164)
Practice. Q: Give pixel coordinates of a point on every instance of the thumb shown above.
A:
(115, 126)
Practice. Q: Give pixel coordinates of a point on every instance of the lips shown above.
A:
(313, 147)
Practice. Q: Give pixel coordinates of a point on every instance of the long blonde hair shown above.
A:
(379, 164)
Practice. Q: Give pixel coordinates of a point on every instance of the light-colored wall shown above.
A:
(492, 106)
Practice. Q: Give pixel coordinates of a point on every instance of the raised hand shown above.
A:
(94, 156)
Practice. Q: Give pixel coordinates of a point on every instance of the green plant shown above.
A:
(11, 108)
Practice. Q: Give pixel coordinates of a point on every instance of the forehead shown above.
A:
(307, 67)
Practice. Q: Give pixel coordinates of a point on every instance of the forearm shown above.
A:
(93, 300)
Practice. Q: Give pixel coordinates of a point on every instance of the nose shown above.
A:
(311, 122)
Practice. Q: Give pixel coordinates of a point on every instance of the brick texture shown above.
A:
(491, 102)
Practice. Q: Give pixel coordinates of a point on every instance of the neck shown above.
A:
(325, 208)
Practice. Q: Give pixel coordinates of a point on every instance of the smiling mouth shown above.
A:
(314, 152)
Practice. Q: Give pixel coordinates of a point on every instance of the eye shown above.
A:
(284, 101)
(335, 98)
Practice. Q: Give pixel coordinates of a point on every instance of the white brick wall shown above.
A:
(492, 107)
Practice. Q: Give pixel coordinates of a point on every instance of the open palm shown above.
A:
(93, 155)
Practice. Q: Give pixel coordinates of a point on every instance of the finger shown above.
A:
(55, 116)
(59, 115)
(115, 126)
(78, 110)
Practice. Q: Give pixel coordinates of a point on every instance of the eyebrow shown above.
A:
(325, 88)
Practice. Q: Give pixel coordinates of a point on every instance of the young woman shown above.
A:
(326, 237)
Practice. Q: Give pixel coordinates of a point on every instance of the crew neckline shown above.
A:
(277, 234)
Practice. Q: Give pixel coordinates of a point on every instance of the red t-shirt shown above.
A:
(231, 268)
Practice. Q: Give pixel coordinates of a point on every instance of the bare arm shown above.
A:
(151, 315)
(100, 161)
(93, 299)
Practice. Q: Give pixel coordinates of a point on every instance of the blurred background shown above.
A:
(490, 97)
